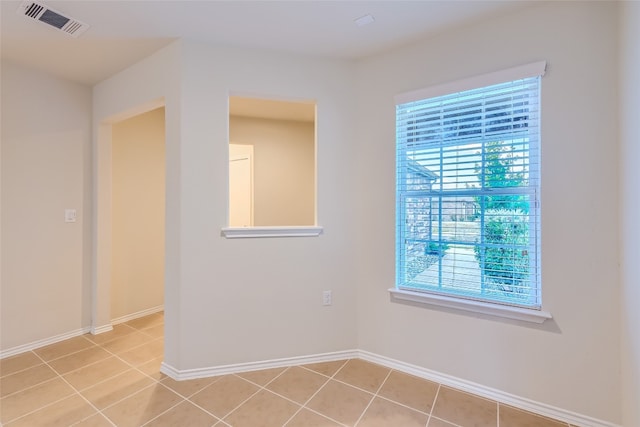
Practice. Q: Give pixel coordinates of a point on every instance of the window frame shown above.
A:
(456, 300)
(279, 230)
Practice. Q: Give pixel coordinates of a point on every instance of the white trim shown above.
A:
(95, 330)
(444, 379)
(43, 342)
(189, 374)
(497, 310)
(137, 314)
(534, 69)
(174, 373)
(253, 232)
(487, 392)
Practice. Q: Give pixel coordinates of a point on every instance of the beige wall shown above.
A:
(284, 168)
(269, 290)
(630, 209)
(138, 180)
(46, 140)
(572, 361)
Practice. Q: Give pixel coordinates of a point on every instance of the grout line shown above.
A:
(33, 385)
(126, 397)
(284, 397)
(153, 325)
(324, 416)
(365, 410)
(205, 410)
(320, 373)
(444, 421)
(239, 375)
(329, 378)
(164, 412)
(384, 381)
(77, 392)
(188, 399)
(131, 366)
(93, 415)
(82, 367)
(214, 380)
(134, 347)
(244, 401)
(106, 379)
(374, 397)
(293, 416)
(70, 353)
(340, 368)
(303, 406)
(21, 370)
(40, 407)
(58, 376)
(433, 404)
(154, 382)
(402, 404)
(354, 386)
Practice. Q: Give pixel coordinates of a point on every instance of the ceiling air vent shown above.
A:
(45, 14)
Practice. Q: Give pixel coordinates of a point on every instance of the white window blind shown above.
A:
(467, 189)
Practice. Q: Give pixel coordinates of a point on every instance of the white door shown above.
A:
(240, 185)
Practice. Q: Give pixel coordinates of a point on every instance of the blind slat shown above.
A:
(535, 69)
(467, 190)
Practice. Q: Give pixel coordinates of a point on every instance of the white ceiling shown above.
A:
(122, 32)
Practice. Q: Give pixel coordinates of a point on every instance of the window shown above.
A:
(467, 190)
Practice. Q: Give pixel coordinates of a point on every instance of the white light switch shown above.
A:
(69, 215)
(326, 297)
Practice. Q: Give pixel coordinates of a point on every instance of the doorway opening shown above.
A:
(130, 217)
(137, 215)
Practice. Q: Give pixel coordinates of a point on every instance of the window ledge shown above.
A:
(510, 312)
(255, 232)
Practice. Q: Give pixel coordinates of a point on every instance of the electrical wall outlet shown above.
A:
(326, 297)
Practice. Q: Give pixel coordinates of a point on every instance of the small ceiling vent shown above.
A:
(42, 13)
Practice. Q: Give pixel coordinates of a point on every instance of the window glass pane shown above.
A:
(467, 188)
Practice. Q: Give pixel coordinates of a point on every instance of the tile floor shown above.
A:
(114, 379)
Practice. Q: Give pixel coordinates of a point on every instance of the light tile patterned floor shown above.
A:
(114, 379)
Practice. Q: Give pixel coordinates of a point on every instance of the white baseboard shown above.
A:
(41, 343)
(95, 330)
(487, 392)
(137, 314)
(448, 380)
(188, 374)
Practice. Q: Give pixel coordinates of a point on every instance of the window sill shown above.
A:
(509, 312)
(256, 232)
